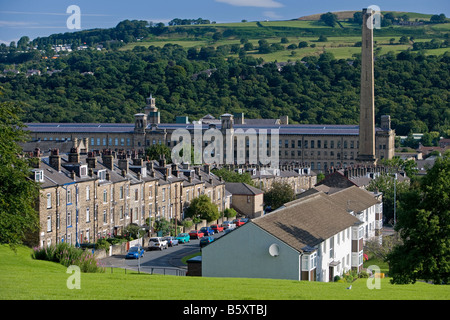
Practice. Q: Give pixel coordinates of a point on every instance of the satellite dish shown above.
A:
(274, 250)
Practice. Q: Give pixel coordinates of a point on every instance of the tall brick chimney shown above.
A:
(108, 159)
(366, 152)
(91, 160)
(55, 160)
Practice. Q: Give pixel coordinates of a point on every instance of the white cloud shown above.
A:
(253, 3)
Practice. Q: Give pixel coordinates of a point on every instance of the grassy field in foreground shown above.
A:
(23, 278)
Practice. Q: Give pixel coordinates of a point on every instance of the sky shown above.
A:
(44, 17)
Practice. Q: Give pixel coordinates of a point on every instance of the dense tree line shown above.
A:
(423, 226)
(184, 22)
(411, 87)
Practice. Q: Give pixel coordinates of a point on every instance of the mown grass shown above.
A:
(23, 278)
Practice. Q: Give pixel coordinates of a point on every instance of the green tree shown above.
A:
(264, 46)
(330, 19)
(322, 38)
(230, 213)
(357, 17)
(164, 226)
(279, 194)
(385, 184)
(202, 208)
(134, 231)
(18, 193)
(23, 42)
(424, 227)
(397, 164)
(320, 176)
(156, 151)
(233, 176)
(302, 44)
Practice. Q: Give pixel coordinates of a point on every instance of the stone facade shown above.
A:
(319, 147)
(85, 197)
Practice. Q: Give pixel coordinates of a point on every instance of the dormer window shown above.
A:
(83, 171)
(38, 175)
(101, 174)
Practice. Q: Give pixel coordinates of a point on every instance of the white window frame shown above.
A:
(49, 223)
(49, 200)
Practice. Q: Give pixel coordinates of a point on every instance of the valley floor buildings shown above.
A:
(319, 147)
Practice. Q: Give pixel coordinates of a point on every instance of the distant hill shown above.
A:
(342, 15)
(195, 70)
(345, 15)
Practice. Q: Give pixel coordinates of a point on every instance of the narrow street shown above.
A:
(167, 261)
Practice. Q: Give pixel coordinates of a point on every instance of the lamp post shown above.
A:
(395, 195)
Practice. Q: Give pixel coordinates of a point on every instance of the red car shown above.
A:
(217, 228)
(195, 234)
(238, 222)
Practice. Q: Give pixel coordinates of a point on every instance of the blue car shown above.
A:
(207, 231)
(183, 238)
(205, 241)
(135, 252)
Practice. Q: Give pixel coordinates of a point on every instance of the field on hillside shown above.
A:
(340, 41)
(23, 278)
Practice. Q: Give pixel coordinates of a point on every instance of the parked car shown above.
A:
(135, 252)
(205, 241)
(238, 222)
(157, 243)
(207, 231)
(183, 237)
(228, 225)
(217, 228)
(244, 220)
(171, 241)
(195, 234)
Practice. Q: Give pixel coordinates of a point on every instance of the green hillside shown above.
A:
(319, 85)
(341, 40)
(23, 278)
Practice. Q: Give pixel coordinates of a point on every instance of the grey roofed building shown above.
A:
(308, 222)
(80, 127)
(242, 188)
(336, 180)
(298, 242)
(246, 199)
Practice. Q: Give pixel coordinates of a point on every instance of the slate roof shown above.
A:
(256, 124)
(307, 223)
(336, 180)
(53, 178)
(81, 127)
(240, 188)
(354, 198)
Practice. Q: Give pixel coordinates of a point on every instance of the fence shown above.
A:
(150, 270)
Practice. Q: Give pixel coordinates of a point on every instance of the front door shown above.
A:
(331, 273)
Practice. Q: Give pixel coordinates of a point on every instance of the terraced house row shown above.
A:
(86, 195)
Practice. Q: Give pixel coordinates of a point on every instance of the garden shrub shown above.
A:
(68, 255)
